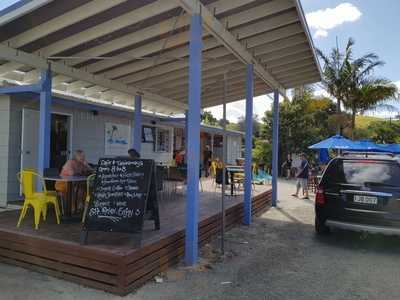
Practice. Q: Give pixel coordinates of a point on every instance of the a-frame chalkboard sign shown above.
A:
(124, 191)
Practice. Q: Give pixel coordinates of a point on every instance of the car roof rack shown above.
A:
(366, 153)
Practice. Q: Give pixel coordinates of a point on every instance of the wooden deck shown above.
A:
(111, 262)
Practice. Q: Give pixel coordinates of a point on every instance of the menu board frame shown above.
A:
(111, 207)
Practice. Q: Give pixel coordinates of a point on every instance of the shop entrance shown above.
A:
(60, 139)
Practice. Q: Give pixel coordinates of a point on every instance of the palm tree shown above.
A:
(350, 82)
(336, 73)
(368, 93)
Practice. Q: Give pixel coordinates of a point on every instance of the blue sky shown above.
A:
(374, 24)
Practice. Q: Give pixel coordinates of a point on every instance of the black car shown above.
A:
(360, 192)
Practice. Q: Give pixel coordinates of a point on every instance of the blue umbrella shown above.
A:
(394, 148)
(367, 145)
(334, 142)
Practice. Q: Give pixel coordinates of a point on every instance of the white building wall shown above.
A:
(88, 134)
(234, 148)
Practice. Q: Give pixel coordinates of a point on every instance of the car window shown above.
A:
(362, 171)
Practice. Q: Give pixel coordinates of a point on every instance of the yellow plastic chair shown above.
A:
(87, 199)
(38, 200)
(213, 169)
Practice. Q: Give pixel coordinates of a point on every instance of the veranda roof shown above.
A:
(108, 51)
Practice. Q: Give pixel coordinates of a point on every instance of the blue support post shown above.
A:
(186, 136)
(44, 122)
(248, 145)
(275, 148)
(193, 141)
(137, 125)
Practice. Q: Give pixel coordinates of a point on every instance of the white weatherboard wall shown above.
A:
(234, 148)
(147, 149)
(88, 131)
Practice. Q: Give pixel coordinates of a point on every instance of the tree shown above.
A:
(304, 121)
(208, 119)
(241, 125)
(385, 132)
(368, 93)
(350, 81)
(336, 73)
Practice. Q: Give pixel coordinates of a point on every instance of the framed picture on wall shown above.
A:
(162, 140)
(148, 134)
(116, 139)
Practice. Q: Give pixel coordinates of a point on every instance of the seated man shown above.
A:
(133, 154)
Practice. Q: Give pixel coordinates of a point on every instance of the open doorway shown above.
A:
(59, 140)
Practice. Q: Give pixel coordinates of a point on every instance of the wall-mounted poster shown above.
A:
(116, 139)
(148, 134)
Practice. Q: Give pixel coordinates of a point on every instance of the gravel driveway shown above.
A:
(278, 257)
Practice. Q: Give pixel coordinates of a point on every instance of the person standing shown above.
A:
(302, 177)
(207, 155)
(288, 166)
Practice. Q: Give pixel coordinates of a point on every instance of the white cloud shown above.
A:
(324, 20)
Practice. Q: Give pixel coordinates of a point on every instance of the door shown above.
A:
(30, 138)
(59, 140)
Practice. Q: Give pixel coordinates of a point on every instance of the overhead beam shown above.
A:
(10, 54)
(68, 18)
(152, 31)
(268, 27)
(214, 26)
(213, 75)
(214, 101)
(102, 29)
(258, 44)
(238, 19)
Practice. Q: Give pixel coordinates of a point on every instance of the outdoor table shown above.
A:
(70, 196)
(232, 170)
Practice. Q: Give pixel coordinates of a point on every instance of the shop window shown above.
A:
(148, 134)
(162, 140)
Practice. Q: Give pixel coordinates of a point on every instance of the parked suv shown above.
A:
(360, 192)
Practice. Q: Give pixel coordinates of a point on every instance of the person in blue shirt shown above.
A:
(302, 177)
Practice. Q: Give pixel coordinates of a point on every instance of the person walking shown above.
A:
(289, 162)
(302, 177)
(207, 156)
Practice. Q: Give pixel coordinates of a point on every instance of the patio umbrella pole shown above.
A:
(224, 155)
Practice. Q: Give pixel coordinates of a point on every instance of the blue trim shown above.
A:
(186, 135)
(275, 148)
(248, 160)
(137, 126)
(44, 123)
(13, 7)
(173, 120)
(21, 89)
(193, 142)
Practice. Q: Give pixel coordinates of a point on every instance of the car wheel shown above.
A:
(320, 227)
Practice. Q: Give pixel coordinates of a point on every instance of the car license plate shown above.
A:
(365, 199)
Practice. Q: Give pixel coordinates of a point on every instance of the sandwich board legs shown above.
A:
(84, 237)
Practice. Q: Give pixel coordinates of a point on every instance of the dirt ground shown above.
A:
(278, 257)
